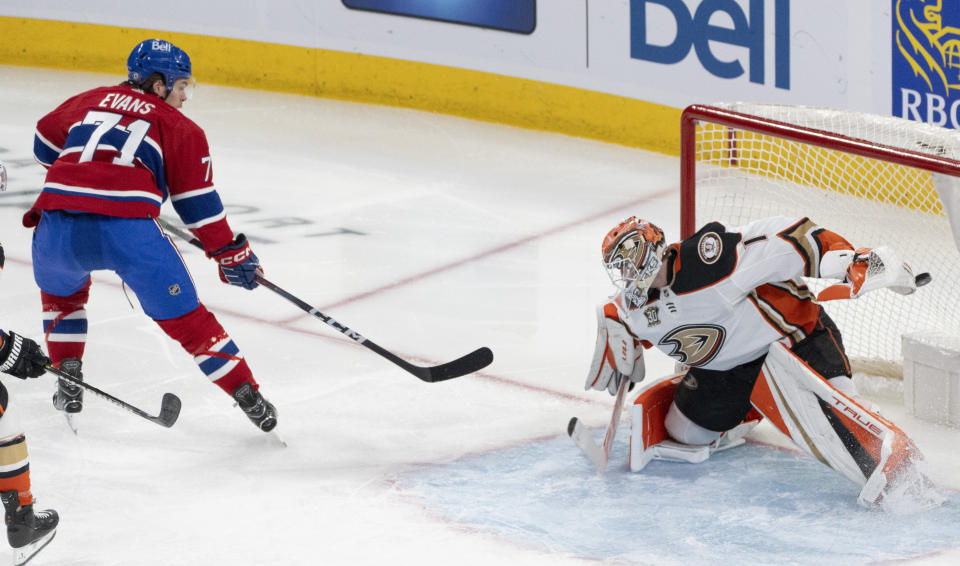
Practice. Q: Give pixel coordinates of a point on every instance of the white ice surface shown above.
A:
(431, 236)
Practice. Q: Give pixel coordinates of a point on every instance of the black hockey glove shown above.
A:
(21, 357)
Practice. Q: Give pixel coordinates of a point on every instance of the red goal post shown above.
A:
(873, 179)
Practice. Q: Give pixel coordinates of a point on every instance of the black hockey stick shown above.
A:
(476, 360)
(169, 407)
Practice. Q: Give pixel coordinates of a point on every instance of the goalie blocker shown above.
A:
(822, 421)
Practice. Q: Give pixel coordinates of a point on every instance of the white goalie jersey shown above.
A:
(743, 282)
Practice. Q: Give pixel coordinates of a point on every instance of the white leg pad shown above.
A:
(831, 426)
(647, 415)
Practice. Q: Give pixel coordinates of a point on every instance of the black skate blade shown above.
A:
(23, 554)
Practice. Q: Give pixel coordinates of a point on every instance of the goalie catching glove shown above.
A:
(238, 264)
(617, 353)
(868, 269)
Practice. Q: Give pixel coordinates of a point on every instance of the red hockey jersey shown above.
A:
(118, 151)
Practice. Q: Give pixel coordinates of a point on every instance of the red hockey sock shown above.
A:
(65, 324)
(211, 347)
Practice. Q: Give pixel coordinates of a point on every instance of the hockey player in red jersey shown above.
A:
(28, 531)
(114, 154)
(731, 306)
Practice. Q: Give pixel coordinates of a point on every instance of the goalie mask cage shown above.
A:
(869, 178)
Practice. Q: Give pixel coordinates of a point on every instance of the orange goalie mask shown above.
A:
(631, 256)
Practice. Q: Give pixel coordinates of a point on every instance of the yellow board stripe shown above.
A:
(355, 77)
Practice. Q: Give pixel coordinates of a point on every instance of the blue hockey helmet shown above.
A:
(158, 56)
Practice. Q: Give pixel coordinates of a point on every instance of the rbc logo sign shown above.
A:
(697, 29)
(926, 61)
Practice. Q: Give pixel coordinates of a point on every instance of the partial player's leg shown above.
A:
(28, 531)
(65, 328)
(151, 265)
(220, 360)
(62, 271)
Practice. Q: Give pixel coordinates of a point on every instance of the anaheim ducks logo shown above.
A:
(710, 247)
(694, 345)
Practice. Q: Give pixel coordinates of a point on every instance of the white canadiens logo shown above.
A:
(710, 247)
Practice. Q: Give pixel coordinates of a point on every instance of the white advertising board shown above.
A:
(673, 52)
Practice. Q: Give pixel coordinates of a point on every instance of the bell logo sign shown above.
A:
(714, 22)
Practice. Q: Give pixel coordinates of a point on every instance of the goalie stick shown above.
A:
(474, 361)
(169, 406)
(599, 455)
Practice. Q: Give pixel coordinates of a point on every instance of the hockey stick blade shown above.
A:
(599, 454)
(169, 406)
(474, 361)
(169, 410)
(581, 437)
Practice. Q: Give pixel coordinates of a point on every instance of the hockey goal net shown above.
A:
(872, 179)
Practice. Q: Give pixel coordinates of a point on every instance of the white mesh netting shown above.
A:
(742, 176)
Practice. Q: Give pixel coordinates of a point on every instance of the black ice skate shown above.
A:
(69, 397)
(27, 531)
(260, 411)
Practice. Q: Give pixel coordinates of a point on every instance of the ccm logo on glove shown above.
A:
(237, 258)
